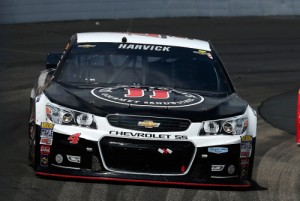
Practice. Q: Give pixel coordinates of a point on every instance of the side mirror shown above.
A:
(52, 60)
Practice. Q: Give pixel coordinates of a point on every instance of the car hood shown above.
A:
(146, 101)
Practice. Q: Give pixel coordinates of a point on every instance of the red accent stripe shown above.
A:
(140, 181)
(298, 120)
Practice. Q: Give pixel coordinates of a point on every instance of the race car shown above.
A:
(145, 108)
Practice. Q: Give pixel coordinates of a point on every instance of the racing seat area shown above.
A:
(197, 75)
(159, 73)
(128, 75)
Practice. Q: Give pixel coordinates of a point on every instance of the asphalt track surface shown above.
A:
(262, 58)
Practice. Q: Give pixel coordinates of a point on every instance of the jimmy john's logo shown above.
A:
(147, 96)
(157, 48)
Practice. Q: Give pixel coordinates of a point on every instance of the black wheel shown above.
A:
(33, 153)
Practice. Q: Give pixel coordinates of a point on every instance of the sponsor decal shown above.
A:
(47, 125)
(218, 150)
(245, 154)
(244, 174)
(165, 151)
(46, 141)
(245, 162)
(183, 168)
(44, 160)
(59, 158)
(204, 52)
(45, 149)
(148, 124)
(246, 138)
(231, 169)
(86, 46)
(145, 96)
(74, 159)
(244, 168)
(46, 133)
(246, 149)
(217, 168)
(148, 135)
(246, 146)
(158, 48)
(73, 139)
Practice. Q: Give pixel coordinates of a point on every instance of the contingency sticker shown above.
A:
(246, 138)
(44, 160)
(45, 149)
(46, 133)
(204, 52)
(47, 125)
(46, 141)
(246, 146)
(244, 168)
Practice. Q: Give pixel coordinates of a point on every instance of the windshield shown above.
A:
(144, 65)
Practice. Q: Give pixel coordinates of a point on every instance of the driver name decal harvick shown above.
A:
(147, 96)
(144, 47)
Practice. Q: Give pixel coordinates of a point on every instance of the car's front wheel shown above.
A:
(32, 137)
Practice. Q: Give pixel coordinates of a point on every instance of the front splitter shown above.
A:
(243, 184)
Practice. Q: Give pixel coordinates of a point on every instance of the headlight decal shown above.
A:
(230, 126)
(65, 116)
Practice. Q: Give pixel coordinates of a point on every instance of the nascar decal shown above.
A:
(147, 96)
(157, 48)
(148, 135)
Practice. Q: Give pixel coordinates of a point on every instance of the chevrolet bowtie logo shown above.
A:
(148, 124)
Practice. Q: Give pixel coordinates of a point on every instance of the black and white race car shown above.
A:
(140, 108)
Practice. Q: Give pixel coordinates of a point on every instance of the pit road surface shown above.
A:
(262, 58)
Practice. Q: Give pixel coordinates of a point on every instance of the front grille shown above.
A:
(132, 122)
(147, 156)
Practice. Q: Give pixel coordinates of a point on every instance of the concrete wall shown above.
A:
(19, 11)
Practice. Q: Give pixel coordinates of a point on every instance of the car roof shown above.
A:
(139, 38)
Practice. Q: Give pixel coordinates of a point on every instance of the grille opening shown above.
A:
(164, 124)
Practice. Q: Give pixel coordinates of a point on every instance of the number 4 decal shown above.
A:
(74, 138)
(137, 93)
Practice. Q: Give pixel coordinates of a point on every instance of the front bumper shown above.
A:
(145, 161)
